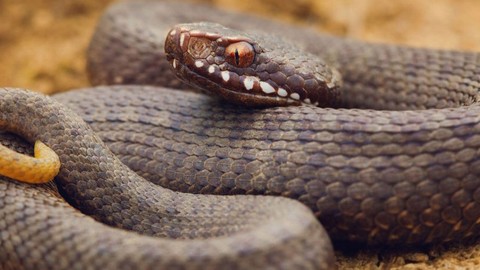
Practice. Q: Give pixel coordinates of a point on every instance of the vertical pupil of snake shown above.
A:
(237, 57)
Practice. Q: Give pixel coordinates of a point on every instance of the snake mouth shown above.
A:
(206, 85)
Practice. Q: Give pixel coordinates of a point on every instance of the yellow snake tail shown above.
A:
(41, 168)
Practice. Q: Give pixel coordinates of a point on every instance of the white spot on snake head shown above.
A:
(198, 64)
(282, 92)
(248, 82)
(267, 88)
(173, 32)
(211, 69)
(295, 96)
(174, 63)
(307, 100)
(182, 39)
(225, 75)
(211, 35)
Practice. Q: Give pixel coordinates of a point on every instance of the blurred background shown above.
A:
(43, 42)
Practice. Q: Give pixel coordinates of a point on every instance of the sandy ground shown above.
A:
(42, 47)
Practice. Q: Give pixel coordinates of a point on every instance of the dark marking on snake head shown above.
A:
(199, 47)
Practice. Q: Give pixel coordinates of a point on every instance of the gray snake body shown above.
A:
(378, 177)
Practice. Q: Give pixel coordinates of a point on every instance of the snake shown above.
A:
(153, 177)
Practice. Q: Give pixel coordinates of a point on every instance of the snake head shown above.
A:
(249, 69)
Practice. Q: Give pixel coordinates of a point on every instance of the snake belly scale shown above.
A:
(378, 177)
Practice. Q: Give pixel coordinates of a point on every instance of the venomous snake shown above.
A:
(403, 171)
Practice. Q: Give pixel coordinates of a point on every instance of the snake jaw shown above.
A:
(249, 99)
(236, 67)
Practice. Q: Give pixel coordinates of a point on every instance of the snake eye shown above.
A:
(240, 54)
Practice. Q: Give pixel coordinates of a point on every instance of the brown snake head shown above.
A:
(249, 69)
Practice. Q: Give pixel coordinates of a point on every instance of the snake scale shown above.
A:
(396, 163)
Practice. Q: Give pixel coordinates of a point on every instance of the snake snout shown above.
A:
(172, 48)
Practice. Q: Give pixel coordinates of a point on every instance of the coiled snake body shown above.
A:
(370, 176)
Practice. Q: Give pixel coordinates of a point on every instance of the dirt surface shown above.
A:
(42, 47)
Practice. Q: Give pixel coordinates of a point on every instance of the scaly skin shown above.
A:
(378, 177)
(41, 231)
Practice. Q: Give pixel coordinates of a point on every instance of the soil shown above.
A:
(42, 47)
